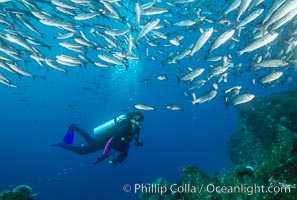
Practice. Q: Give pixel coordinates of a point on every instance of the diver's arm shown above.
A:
(136, 140)
(100, 159)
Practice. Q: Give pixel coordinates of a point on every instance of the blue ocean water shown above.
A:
(39, 112)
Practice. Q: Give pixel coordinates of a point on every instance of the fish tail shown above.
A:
(42, 35)
(263, 30)
(178, 79)
(226, 104)
(85, 65)
(137, 47)
(206, 56)
(66, 71)
(209, 53)
(34, 77)
(124, 19)
(20, 76)
(127, 67)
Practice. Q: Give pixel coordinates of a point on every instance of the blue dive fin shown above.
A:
(69, 137)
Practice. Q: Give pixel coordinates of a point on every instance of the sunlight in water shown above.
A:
(126, 82)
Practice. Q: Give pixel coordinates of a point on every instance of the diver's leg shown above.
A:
(76, 149)
(84, 134)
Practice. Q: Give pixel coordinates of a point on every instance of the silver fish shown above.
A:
(272, 76)
(162, 77)
(185, 23)
(266, 39)
(144, 107)
(154, 11)
(192, 75)
(215, 71)
(7, 83)
(180, 55)
(20, 71)
(242, 8)
(138, 14)
(281, 12)
(52, 64)
(174, 107)
(70, 45)
(240, 99)
(18, 41)
(272, 9)
(288, 17)
(197, 84)
(224, 37)
(2, 77)
(234, 5)
(147, 28)
(63, 4)
(250, 18)
(231, 92)
(116, 32)
(111, 60)
(85, 16)
(271, 63)
(201, 41)
(254, 4)
(207, 96)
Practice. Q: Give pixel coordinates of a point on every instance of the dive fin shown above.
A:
(69, 137)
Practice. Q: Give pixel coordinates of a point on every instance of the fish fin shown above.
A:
(235, 40)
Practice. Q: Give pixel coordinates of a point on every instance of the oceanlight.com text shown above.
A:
(250, 190)
(208, 188)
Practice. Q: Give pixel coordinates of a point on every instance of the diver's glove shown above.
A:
(113, 162)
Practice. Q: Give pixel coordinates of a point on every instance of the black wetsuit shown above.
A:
(124, 133)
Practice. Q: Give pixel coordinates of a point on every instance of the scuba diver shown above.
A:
(111, 137)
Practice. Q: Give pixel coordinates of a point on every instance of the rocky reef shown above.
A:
(21, 192)
(264, 153)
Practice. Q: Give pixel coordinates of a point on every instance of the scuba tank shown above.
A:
(101, 129)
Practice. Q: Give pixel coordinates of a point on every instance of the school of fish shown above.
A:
(253, 39)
